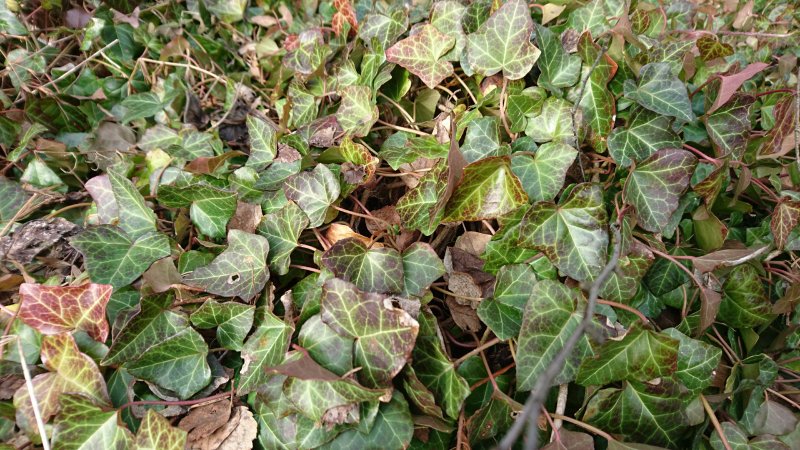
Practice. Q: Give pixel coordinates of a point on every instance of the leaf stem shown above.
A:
(177, 402)
(630, 309)
(477, 350)
(584, 425)
(715, 422)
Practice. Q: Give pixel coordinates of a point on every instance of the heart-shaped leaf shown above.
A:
(135, 218)
(646, 133)
(383, 28)
(418, 207)
(384, 335)
(112, 257)
(421, 267)
(370, 269)
(488, 189)
(282, 229)
(313, 192)
(210, 207)
(624, 281)
(553, 123)
(264, 348)
(423, 54)
(784, 220)
(263, 143)
(232, 321)
(59, 309)
(358, 111)
(481, 140)
(558, 68)
(502, 313)
(572, 234)
(744, 300)
(502, 43)
(549, 319)
(239, 271)
(598, 103)
(542, 174)
(393, 428)
(655, 186)
(82, 424)
(328, 348)
(661, 92)
(156, 433)
(697, 360)
(447, 16)
(729, 126)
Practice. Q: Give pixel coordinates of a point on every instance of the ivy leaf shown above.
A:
(58, 309)
(572, 234)
(12, 199)
(141, 106)
(590, 17)
(494, 418)
(240, 270)
(502, 43)
(447, 16)
(784, 220)
(729, 126)
(357, 112)
(598, 103)
(209, 207)
(263, 143)
(232, 321)
(655, 186)
(542, 174)
(384, 335)
(418, 207)
(421, 267)
(81, 424)
(100, 189)
(549, 319)
(558, 68)
(156, 433)
(784, 126)
(646, 133)
(419, 394)
(264, 348)
(423, 54)
(158, 345)
(696, 361)
(641, 355)
(434, 368)
(553, 123)
(313, 192)
(383, 28)
(393, 428)
(402, 148)
(481, 140)
(744, 299)
(70, 371)
(135, 218)
(111, 257)
(661, 92)
(488, 189)
(370, 269)
(711, 48)
(282, 229)
(328, 348)
(624, 281)
(502, 313)
(309, 53)
(640, 412)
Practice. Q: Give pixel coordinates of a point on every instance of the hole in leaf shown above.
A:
(233, 278)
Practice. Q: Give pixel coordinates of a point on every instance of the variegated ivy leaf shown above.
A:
(232, 321)
(265, 348)
(521, 105)
(641, 355)
(102, 193)
(282, 229)
(598, 104)
(112, 257)
(370, 269)
(384, 335)
(59, 309)
(696, 361)
(502, 313)
(82, 425)
(446, 16)
(135, 218)
(729, 126)
(404, 148)
(210, 208)
(418, 207)
(785, 219)
(548, 320)
(393, 428)
(263, 143)
(156, 433)
(744, 300)
(553, 123)
(358, 164)
(419, 394)
(309, 53)
(423, 53)
(482, 139)
(558, 68)
(434, 368)
(488, 189)
(328, 348)
(624, 281)
(655, 186)
(660, 91)
(313, 192)
(591, 17)
(641, 412)
(69, 371)
(646, 133)
(239, 271)
(542, 174)
(158, 345)
(357, 112)
(572, 234)
(503, 43)
(383, 28)
(421, 267)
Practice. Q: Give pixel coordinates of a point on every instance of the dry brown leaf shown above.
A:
(246, 217)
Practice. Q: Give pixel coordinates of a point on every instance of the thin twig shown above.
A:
(715, 422)
(585, 426)
(529, 414)
(628, 308)
(177, 402)
(477, 350)
(37, 414)
(80, 64)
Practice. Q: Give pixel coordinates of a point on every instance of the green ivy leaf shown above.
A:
(383, 28)
(558, 68)
(135, 218)
(494, 418)
(357, 112)
(549, 319)
(328, 348)
(591, 17)
(313, 192)
(156, 433)
(263, 143)
(729, 126)
(423, 54)
(419, 394)
(447, 16)
(744, 299)
(646, 133)
(239, 271)
(502, 313)
(553, 123)
(661, 92)
(403, 148)
(232, 321)
(502, 43)
(370, 269)
(488, 189)
(624, 281)
(697, 361)
(481, 140)
(421, 267)
(384, 335)
(309, 54)
(141, 106)
(655, 186)
(641, 355)
(598, 103)
(210, 208)
(418, 207)
(282, 229)
(542, 174)
(264, 348)
(112, 257)
(81, 424)
(393, 428)
(572, 234)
